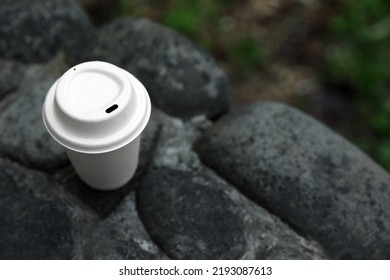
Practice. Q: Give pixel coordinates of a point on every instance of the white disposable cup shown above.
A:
(97, 111)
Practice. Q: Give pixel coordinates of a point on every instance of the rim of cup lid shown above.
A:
(96, 107)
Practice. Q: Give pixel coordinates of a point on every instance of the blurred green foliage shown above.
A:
(246, 53)
(203, 22)
(361, 59)
(191, 16)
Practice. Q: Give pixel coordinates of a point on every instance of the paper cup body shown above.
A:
(107, 171)
(98, 111)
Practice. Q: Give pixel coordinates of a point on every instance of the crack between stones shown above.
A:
(147, 168)
(6, 94)
(8, 98)
(139, 213)
(285, 221)
(32, 168)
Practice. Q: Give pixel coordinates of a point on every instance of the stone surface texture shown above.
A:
(181, 78)
(196, 215)
(23, 135)
(322, 185)
(34, 30)
(10, 76)
(264, 181)
(33, 226)
(189, 219)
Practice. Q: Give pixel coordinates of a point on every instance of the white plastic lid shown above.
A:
(96, 107)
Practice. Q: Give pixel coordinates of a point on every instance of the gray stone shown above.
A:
(315, 180)
(121, 236)
(32, 226)
(179, 208)
(266, 236)
(149, 139)
(34, 30)
(174, 147)
(10, 76)
(23, 135)
(181, 79)
(189, 219)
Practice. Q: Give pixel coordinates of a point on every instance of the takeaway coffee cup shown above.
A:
(97, 111)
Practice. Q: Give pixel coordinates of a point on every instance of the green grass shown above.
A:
(361, 59)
